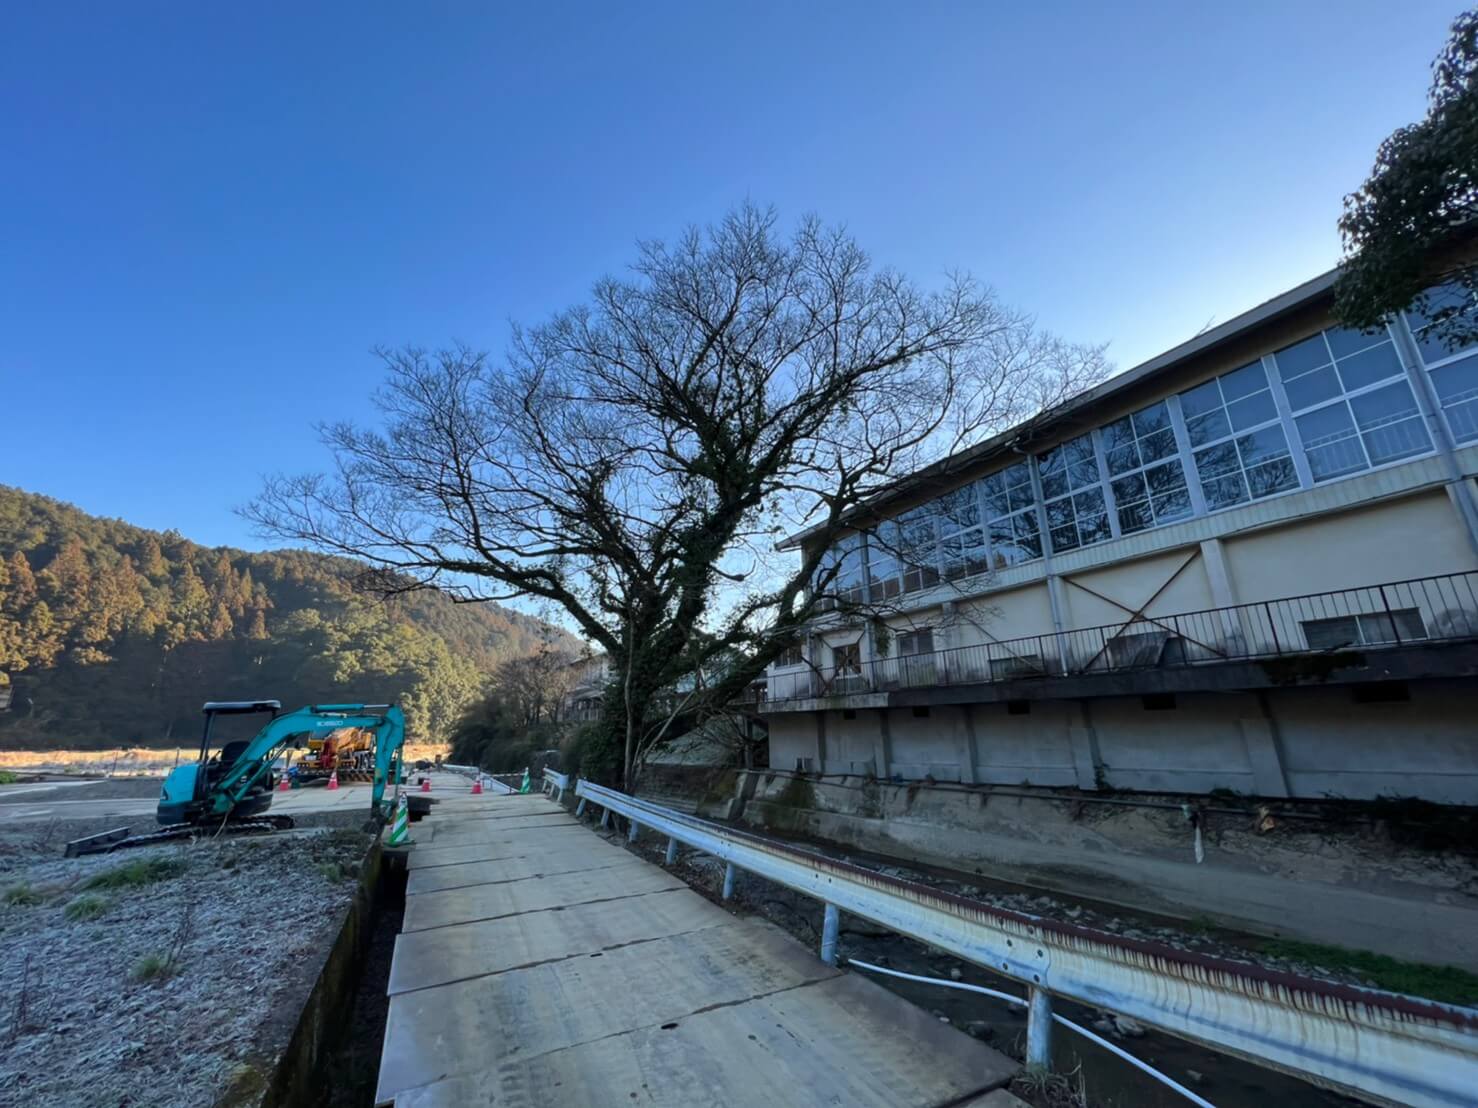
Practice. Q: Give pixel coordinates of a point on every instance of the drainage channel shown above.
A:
(333, 1059)
(1089, 1076)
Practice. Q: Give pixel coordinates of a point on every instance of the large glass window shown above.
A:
(1351, 401)
(962, 545)
(1073, 492)
(1011, 516)
(1453, 369)
(846, 586)
(1145, 471)
(1237, 440)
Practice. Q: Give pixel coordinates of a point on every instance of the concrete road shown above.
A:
(540, 965)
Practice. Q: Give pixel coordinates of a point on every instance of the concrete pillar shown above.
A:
(830, 927)
(968, 765)
(1087, 763)
(1213, 555)
(883, 747)
(820, 742)
(1057, 602)
(1264, 754)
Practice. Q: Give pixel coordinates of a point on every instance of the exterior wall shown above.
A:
(1305, 742)
(1426, 747)
(1034, 748)
(1391, 540)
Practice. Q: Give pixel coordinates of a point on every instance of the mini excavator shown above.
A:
(230, 788)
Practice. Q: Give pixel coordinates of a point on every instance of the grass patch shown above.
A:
(1445, 983)
(331, 871)
(7, 778)
(85, 907)
(136, 874)
(23, 896)
(152, 967)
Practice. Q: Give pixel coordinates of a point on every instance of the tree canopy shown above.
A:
(1401, 228)
(110, 634)
(634, 459)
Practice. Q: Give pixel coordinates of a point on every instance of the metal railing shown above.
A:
(1379, 1046)
(555, 783)
(1398, 613)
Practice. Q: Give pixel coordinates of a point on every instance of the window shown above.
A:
(962, 545)
(1353, 405)
(1012, 516)
(1145, 471)
(790, 656)
(1240, 450)
(847, 659)
(1072, 490)
(916, 642)
(846, 586)
(884, 578)
(1454, 377)
(1365, 629)
(918, 551)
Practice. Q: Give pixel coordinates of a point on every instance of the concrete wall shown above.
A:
(1304, 742)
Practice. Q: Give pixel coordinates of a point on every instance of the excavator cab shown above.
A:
(186, 788)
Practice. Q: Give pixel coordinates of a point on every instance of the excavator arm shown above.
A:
(216, 798)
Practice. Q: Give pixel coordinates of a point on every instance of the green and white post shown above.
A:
(400, 827)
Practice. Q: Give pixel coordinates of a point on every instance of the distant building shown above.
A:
(1250, 563)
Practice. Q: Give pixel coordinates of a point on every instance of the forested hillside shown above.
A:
(113, 635)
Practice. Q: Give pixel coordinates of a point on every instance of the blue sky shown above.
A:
(210, 213)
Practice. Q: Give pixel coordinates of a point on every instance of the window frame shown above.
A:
(1070, 497)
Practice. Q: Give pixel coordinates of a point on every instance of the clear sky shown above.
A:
(210, 212)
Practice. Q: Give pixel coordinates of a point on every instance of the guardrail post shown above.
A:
(728, 881)
(605, 819)
(580, 809)
(631, 832)
(830, 925)
(671, 851)
(1039, 1030)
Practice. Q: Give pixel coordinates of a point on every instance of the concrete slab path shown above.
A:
(545, 965)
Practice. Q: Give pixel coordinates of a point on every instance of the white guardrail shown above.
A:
(1381, 1047)
(556, 783)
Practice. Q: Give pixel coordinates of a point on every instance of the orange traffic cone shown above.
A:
(477, 785)
(284, 785)
(333, 779)
(425, 784)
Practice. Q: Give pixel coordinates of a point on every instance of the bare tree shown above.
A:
(634, 459)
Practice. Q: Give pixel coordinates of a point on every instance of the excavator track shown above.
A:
(118, 839)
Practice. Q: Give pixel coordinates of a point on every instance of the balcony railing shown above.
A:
(1423, 610)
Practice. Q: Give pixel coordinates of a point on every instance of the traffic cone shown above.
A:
(425, 784)
(477, 785)
(333, 779)
(284, 785)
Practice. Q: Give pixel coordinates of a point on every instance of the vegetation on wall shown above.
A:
(112, 635)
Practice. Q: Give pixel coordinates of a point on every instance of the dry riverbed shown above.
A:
(170, 974)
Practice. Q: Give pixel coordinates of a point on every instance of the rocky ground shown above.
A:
(170, 974)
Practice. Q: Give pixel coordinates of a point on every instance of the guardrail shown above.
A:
(556, 783)
(1382, 1047)
(1397, 613)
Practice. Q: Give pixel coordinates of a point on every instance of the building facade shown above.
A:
(1250, 563)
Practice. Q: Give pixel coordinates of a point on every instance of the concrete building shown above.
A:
(1250, 563)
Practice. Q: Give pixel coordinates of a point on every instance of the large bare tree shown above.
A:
(633, 460)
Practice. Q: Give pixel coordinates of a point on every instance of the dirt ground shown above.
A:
(152, 976)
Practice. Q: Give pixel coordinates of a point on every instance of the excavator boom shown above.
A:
(213, 791)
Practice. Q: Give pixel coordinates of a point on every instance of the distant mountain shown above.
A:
(111, 635)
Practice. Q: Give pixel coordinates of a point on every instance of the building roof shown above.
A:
(1294, 299)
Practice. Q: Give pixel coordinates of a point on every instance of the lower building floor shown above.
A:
(1355, 741)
